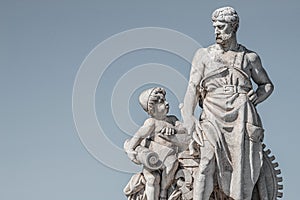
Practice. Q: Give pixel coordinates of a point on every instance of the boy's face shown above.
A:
(161, 107)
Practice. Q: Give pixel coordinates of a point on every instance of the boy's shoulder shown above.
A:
(149, 122)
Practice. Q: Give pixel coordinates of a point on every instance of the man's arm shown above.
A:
(260, 77)
(192, 94)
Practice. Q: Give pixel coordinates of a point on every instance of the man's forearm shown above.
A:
(263, 92)
(189, 103)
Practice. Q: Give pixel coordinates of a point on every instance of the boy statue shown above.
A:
(152, 144)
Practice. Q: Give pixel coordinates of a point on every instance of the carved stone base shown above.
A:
(268, 186)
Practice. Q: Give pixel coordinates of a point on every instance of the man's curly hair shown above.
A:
(228, 15)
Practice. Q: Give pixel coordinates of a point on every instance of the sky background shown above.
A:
(43, 45)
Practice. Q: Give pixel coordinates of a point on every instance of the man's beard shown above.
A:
(222, 39)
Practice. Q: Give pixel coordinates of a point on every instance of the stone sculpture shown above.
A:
(152, 144)
(221, 155)
(231, 132)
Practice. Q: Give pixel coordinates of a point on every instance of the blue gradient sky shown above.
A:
(43, 44)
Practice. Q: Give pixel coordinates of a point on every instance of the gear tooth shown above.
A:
(275, 165)
(268, 151)
(278, 171)
(280, 187)
(279, 179)
(279, 194)
(272, 158)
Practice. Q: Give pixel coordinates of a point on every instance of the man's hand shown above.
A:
(253, 97)
(193, 148)
(190, 125)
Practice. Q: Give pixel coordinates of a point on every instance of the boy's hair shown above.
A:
(149, 97)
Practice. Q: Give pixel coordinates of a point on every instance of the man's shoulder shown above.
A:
(203, 50)
(212, 49)
(251, 55)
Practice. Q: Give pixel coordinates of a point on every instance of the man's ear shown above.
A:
(235, 27)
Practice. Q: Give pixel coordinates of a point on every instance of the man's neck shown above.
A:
(229, 45)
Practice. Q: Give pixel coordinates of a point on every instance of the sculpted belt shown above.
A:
(230, 89)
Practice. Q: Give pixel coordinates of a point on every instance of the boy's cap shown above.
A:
(144, 98)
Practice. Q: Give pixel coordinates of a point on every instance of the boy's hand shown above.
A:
(168, 131)
(132, 157)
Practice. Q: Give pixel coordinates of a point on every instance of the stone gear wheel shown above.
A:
(269, 185)
(273, 176)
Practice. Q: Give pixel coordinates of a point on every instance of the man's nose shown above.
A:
(217, 31)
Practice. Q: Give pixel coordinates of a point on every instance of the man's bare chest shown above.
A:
(216, 60)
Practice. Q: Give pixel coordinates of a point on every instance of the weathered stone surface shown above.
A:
(221, 155)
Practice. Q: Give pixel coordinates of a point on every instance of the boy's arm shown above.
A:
(141, 134)
(169, 130)
(177, 127)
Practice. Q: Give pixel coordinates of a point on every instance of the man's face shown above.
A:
(223, 31)
(161, 107)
